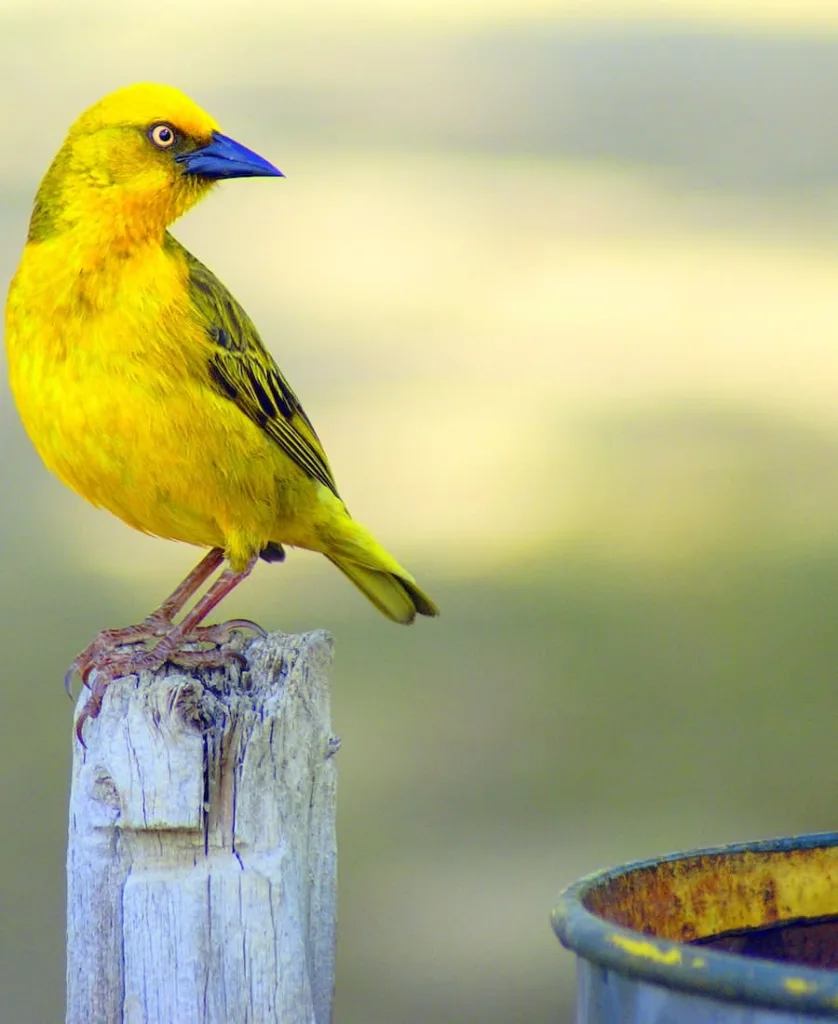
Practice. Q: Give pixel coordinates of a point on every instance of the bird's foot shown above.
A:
(103, 661)
(105, 645)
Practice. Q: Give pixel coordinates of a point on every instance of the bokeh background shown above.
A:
(558, 284)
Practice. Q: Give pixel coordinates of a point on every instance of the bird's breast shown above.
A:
(103, 371)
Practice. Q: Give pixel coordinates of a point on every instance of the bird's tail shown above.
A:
(397, 597)
(378, 575)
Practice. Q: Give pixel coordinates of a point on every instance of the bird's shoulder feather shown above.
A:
(242, 370)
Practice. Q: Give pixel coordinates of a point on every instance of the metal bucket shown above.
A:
(744, 934)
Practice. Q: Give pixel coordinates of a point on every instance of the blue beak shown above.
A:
(225, 158)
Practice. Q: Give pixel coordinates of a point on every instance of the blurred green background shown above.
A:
(558, 284)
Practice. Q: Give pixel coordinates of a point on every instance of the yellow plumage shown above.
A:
(141, 381)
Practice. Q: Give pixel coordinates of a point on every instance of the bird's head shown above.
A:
(134, 162)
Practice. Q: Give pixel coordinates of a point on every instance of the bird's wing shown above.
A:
(243, 370)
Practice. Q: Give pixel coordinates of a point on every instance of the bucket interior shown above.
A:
(773, 904)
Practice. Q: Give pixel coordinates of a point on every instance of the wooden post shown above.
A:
(202, 859)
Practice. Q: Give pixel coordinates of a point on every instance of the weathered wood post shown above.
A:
(202, 858)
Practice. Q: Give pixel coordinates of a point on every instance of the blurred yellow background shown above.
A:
(558, 285)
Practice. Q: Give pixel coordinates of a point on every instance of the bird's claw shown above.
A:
(222, 632)
(105, 645)
(104, 662)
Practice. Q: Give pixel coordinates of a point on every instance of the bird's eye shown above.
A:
(162, 135)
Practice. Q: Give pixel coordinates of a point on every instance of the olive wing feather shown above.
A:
(242, 369)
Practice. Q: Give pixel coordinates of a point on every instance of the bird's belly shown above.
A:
(169, 457)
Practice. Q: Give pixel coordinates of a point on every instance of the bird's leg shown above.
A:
(218, 634)
(189, 629)
(165, 614)
(157, 624)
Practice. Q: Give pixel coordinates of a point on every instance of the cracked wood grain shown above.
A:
(202, 858)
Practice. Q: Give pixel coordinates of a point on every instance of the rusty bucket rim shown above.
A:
(725, 976)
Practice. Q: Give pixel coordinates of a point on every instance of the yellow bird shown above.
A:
(145, 386)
